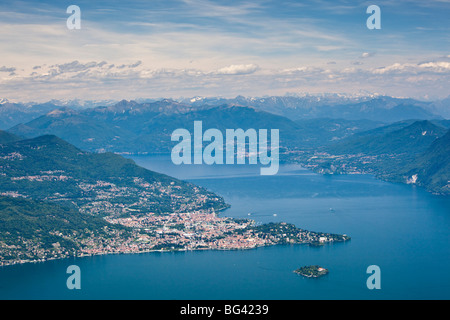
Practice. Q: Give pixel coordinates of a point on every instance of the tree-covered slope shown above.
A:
(34, 230)
(49, 168)
(393, 139)
(6, 137)
(432, 168)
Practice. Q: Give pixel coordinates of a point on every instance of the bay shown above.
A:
(401, 228)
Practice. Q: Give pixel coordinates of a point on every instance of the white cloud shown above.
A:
(367, 54)
(103, 79)
(329, 48)
(167, 53)
(411, 68)
(238, 69)
(7, 69)
(436, 66)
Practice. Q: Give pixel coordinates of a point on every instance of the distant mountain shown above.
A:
(397, 138)
(130, 127)
(12, 114)
(48, 168)
(6, 137)
(81, 104)
(376, 108)
(338, 125)
(381, 108)
(430, 169)
(441, 107)
(308, 133)
(326, 131)
(109, 128)
(157, 131)
(281, 105)
(76, 127)
(442, 123)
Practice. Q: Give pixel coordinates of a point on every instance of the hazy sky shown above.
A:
(172, 48)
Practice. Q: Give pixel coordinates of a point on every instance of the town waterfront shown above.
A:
(402, 229)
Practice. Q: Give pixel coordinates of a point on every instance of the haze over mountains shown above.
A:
(12, 113)
(6, 137)
(370, 107)
(133, 127)
(128, 127)
(378, 108)
(401, 137)
(376, 126)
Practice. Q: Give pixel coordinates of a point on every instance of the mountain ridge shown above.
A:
(430, 169)
(415, 137)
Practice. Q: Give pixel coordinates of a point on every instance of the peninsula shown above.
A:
(57, 201)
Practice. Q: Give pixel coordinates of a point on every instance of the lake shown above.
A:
(400, 228)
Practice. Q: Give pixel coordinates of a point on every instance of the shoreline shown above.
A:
(162, 251)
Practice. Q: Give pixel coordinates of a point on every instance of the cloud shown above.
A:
(441, 66)
(239, 69)
(410, 68)
(76, 66)
(6, 69)
(199, 47)
(134, 65)
(329, 48)
(367, 55)
(99, 80)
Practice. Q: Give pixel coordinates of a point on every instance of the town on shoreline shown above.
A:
(198, 230)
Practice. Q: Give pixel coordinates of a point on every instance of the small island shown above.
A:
(311, 271)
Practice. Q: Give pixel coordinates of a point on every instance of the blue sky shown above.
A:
(155, 48)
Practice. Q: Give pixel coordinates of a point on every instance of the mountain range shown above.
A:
(129, 127)
(408, 137)
(391, 130)
(376, 108)
(371, 107)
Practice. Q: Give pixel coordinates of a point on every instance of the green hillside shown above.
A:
(432, 168)
(34, 230)
(6, 137)
(393, 139)
(48, 168)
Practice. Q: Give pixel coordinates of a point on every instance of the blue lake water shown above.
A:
(402, 229)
